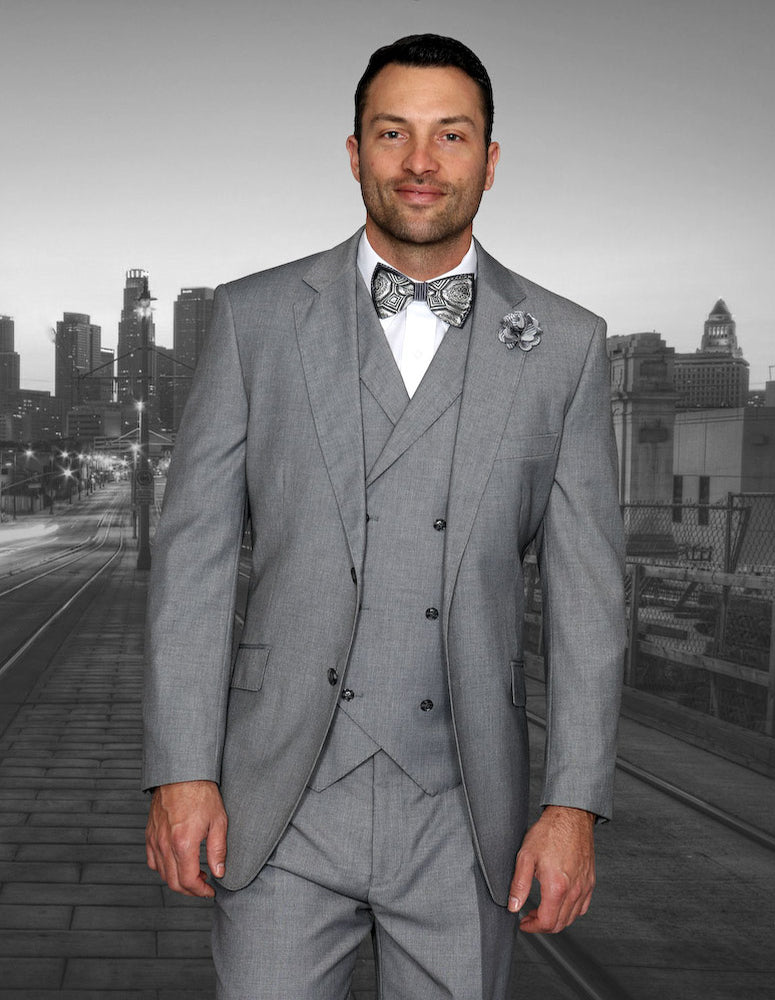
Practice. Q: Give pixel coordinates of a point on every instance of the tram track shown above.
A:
(43, 627)
(78, 552)
(740, 826)
(88, 544)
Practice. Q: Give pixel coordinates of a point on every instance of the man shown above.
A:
(397, 451)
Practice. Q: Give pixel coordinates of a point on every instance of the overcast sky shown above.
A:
(205, 140)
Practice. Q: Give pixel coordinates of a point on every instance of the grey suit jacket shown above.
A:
(274, 416)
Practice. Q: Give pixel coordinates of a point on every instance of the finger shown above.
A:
(216, 848)
(545, 919)
(189, 876)
(522, 881)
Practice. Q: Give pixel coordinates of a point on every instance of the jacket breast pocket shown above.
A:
(250, 666)
(526, 446)
(518, 695)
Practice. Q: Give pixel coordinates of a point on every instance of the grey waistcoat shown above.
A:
(395, 695)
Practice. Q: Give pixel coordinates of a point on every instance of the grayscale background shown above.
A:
(203, 140)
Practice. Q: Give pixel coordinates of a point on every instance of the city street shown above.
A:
(683, 908)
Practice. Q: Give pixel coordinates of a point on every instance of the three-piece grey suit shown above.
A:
(384, 614)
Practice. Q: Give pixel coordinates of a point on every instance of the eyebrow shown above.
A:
(398, 120)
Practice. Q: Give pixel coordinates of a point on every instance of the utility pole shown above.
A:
(144, 475)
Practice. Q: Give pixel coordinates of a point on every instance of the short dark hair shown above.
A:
(427, 50)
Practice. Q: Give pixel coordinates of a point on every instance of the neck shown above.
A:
(419, 261)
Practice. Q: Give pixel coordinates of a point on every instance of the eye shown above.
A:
(391, 133)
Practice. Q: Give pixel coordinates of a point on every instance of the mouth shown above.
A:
(419, 194)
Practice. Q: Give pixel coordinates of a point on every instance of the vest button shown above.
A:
(439, 524)
(426, 705)
(333, 676)
(432, 613)
(348, 695)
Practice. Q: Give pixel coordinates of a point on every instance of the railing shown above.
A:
(700, 591)
(704, 639)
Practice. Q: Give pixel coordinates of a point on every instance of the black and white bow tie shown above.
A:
(448, 298)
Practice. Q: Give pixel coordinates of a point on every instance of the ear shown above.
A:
(355, 161)
(493, 155)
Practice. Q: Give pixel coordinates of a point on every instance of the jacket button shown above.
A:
(439, 524)
(333, 676)
(426, 705)
(431, 613)
(353, 574)
(348, 695)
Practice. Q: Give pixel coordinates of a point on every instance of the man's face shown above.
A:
(422, 162)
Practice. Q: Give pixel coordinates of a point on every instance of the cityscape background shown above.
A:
(159, 147)
(201, 143)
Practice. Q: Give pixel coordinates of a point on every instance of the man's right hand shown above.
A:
(182, 815)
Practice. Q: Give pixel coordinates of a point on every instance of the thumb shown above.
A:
(216, 848)
(522, 881)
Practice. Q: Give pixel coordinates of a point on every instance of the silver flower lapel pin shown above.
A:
(520, 329)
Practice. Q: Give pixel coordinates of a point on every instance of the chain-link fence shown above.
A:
(701, 602)
(738, 533)
(704, 640)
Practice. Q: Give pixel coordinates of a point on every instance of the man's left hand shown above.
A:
(558, 850)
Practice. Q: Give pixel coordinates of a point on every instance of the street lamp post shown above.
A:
(144, 476)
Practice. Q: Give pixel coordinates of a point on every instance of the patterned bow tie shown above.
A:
(448, 298)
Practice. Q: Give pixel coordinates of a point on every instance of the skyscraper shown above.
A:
(9, 359)
(717, 374)
(78, 353)
(165, 380)
(6, 334)
(192, 316)
(130, 362)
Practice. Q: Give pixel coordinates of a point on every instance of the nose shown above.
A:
(420, 158)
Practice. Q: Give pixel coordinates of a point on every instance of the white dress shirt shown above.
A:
(415, 333)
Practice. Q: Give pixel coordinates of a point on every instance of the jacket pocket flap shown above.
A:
(250, 666)
(518, 695)
(529, 446)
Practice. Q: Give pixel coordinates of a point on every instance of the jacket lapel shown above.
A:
(491, 381)
(326, 329)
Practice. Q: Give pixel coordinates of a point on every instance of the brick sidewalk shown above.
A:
(81, 914)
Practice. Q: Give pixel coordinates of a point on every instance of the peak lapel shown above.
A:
(326, 330)
(491, 380)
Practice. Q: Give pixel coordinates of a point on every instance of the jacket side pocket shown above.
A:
(250, 666)
(518, 695)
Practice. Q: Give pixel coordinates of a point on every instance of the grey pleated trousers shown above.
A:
(372, 852)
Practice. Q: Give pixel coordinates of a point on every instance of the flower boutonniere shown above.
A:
(520, 329)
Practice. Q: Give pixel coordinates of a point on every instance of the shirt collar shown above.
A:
(368, 259)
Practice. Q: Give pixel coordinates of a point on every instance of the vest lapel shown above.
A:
(440, 387)
(327, 336)
(491, 381)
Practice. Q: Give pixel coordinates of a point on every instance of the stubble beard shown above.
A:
(419, 227)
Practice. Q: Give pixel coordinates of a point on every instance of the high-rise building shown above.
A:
(30, 415)
(107, 373)
(717, 374)
(9, 360)
(192, 316)
(6, 334)
(78, 354)
(165, 381)
(132, 368)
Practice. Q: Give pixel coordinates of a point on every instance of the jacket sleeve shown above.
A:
(581, 560)
(195, 560)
